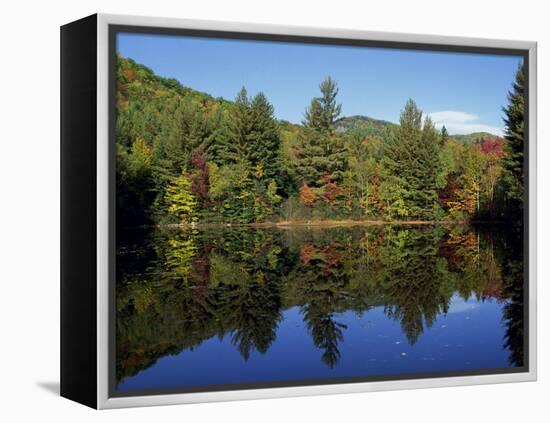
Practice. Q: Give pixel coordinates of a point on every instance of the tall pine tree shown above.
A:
(512, 173)
(263, 139)
(411, 165)
(444, 135)
(324, 111)
(322, 156)
(231, 140)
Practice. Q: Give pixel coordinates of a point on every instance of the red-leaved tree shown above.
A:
(493, 146)
(200, 185)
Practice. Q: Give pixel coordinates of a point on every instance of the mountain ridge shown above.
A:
(370, 126)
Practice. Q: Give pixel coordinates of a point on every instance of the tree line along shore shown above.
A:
(184, 157)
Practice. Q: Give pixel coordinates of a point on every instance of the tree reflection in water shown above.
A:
(178, 288)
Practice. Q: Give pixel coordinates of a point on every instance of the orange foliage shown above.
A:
(332, 257)
(331, 192)
(307, 196)
(306, 253)
(129, 74)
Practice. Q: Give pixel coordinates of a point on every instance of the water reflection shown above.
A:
(180, 290)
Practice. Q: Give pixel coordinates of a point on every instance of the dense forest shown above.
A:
(186, 157)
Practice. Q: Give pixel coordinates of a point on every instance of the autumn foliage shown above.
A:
(307, 197)
(182, 154)
(331, 192)
(493, 146)
(200, 177)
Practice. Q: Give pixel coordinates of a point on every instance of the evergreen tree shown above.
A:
(187, 129)
(263, 139)
(428, 169)
(322, 157)
(444, 136)
(313, 114)
(512, 173)
(410, 121)
(329, 109)
(324, 110)
(231, 139)
(411, 165)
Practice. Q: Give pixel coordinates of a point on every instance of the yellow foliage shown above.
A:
(259, 171)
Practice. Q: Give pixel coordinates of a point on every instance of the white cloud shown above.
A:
(462, 123)
(461, 307)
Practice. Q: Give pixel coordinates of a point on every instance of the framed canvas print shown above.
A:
(253, 211)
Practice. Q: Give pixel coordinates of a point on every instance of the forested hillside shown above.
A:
(473, 137)
(184, 156)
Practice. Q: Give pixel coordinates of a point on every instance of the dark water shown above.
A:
(225, 306)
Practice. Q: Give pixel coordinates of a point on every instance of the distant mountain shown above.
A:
(359, 120)
(368, 126)
(371, 127)
(473, 137)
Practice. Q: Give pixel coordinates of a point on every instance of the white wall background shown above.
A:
(29, 212)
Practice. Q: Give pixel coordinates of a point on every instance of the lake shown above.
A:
(214, 307)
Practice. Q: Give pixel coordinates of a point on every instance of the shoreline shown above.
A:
(286, 224)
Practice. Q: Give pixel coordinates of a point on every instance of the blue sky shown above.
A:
(465, 92)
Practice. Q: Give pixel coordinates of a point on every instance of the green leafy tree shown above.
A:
(181, 201)
(135, 183)
(392, 194)
(363, 167)
(232, 192)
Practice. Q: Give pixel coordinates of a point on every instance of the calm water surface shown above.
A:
(224, 306)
